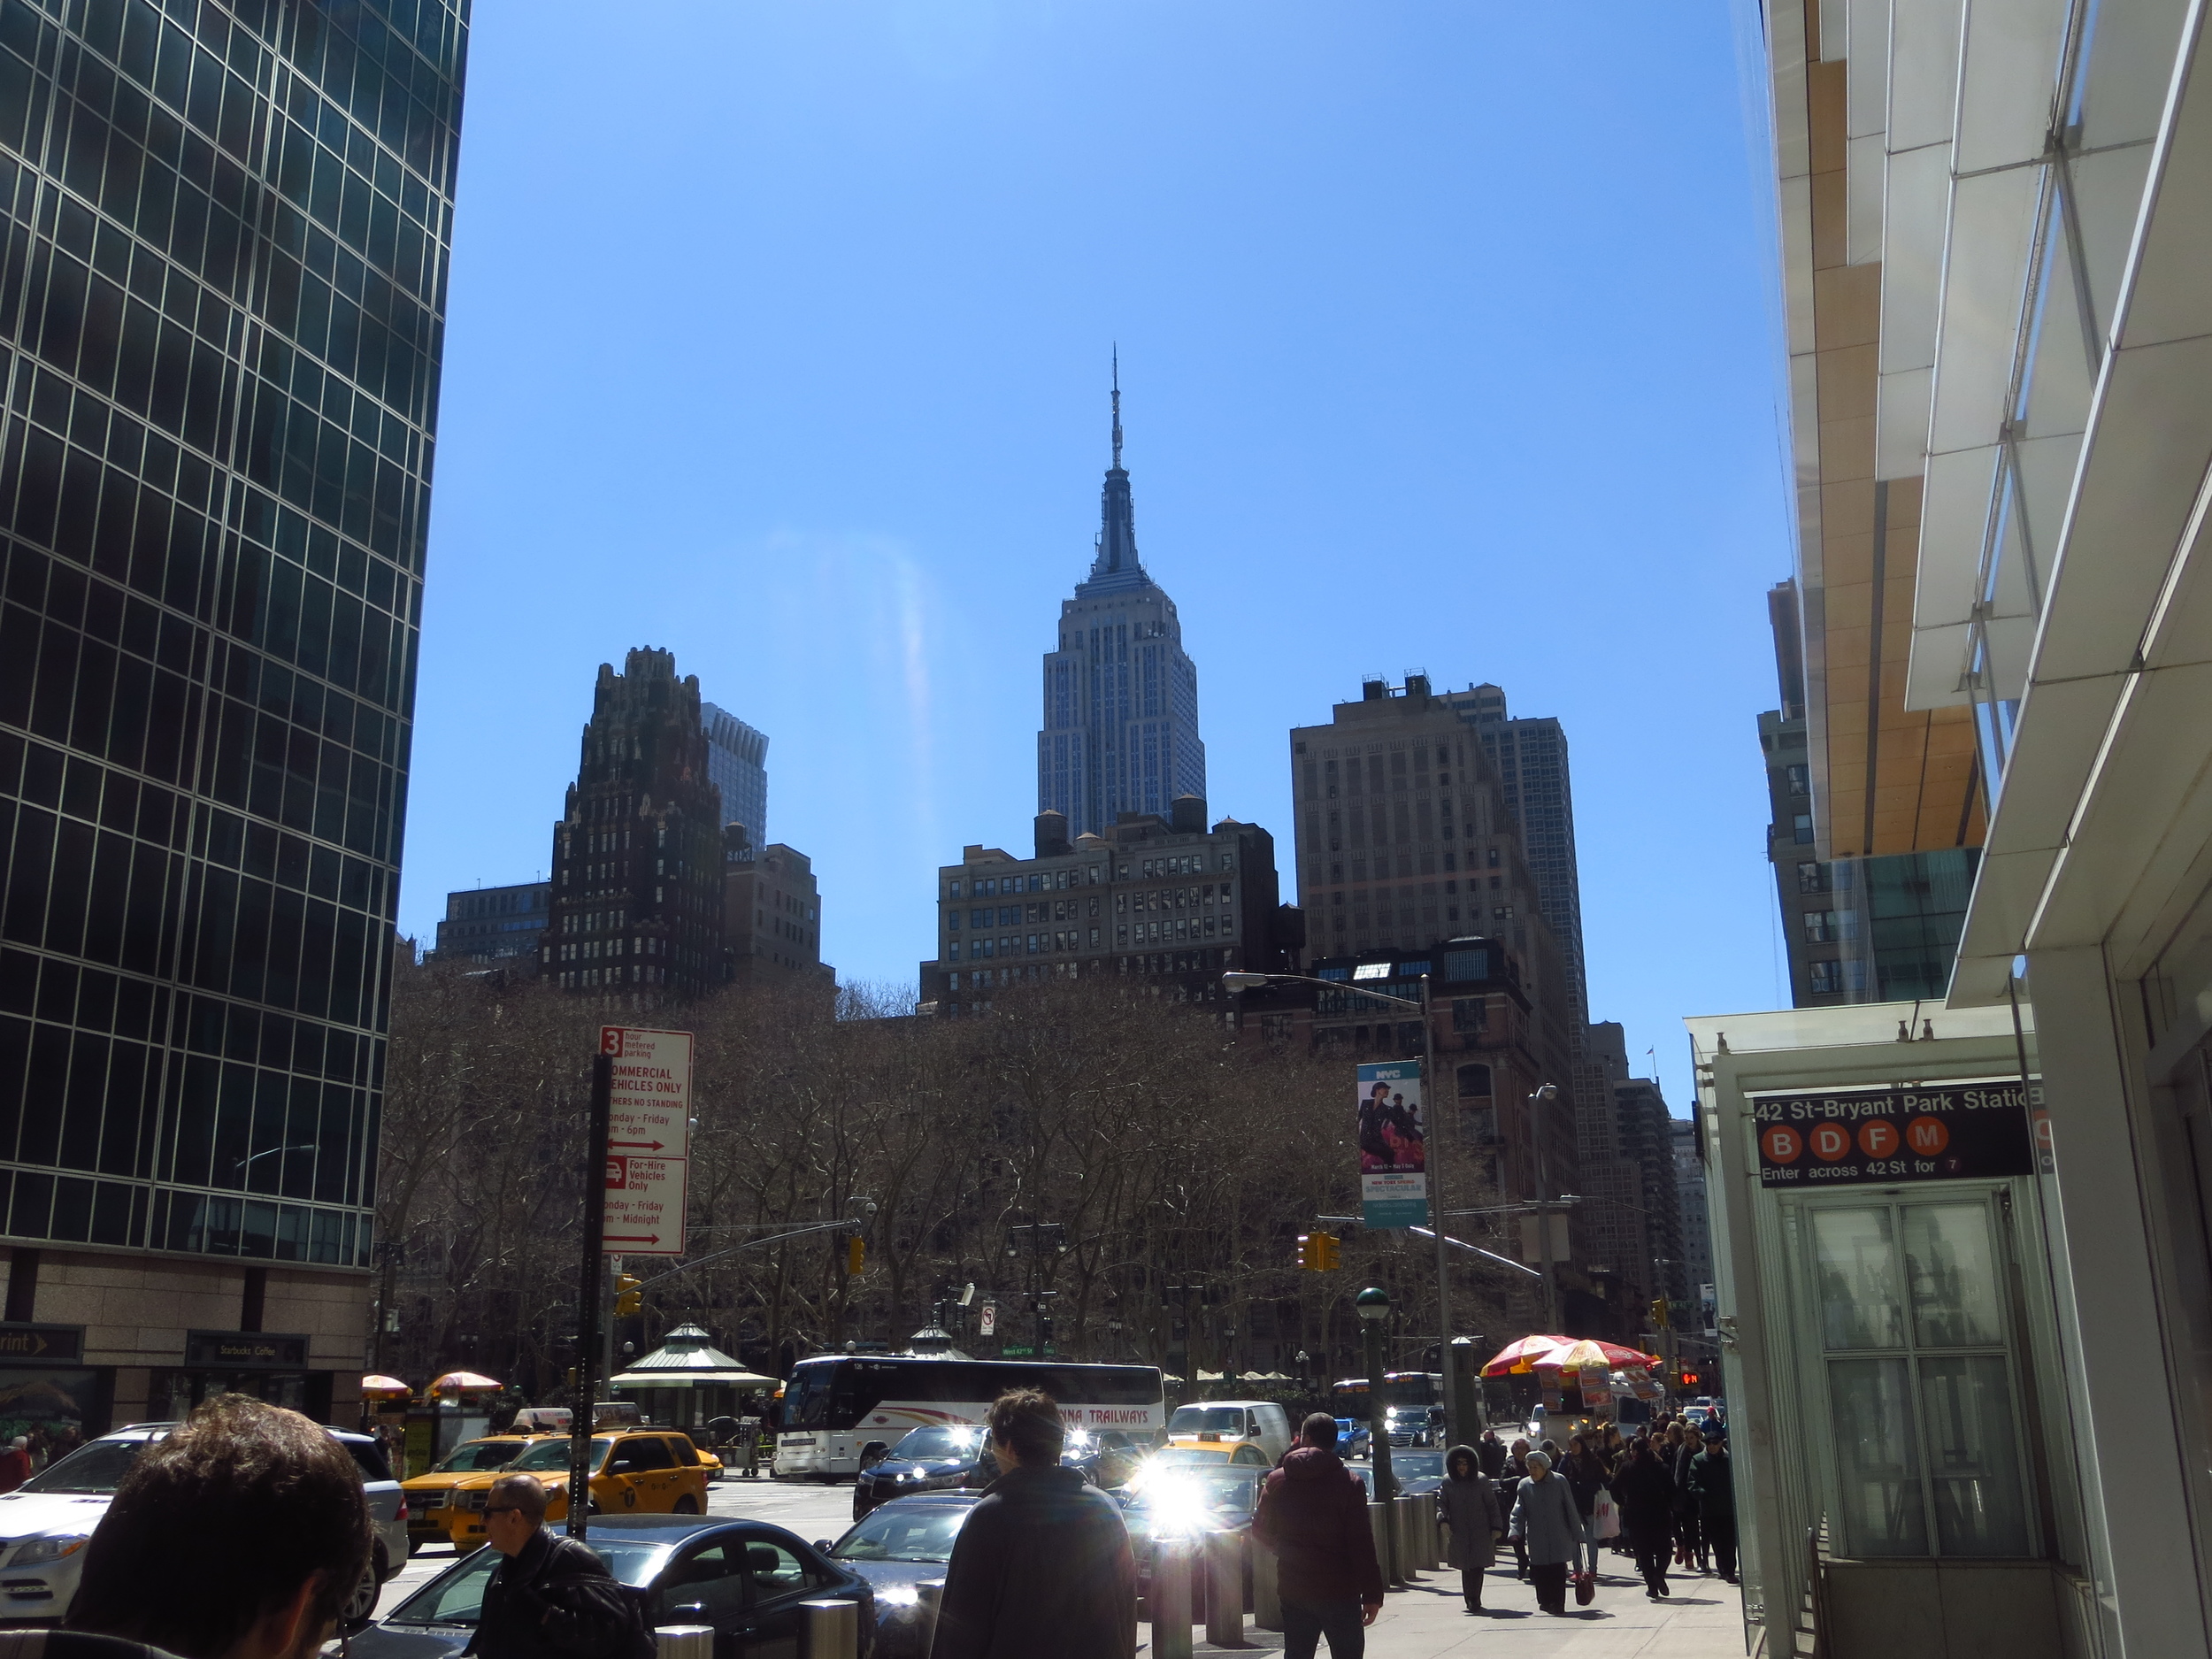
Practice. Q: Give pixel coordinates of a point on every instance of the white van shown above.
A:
(1227, 1422)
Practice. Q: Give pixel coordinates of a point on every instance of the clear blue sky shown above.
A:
(779, 338)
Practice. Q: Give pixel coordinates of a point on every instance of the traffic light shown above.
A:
(1328, 1252)
(1689, 1380)
(1309, 1257)
(1659, 1313)
(629, 1294)
(855, 1256)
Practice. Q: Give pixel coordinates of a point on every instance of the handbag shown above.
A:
(1605, 1518)
(1585, 1588)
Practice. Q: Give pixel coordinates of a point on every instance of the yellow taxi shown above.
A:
(430, 1510)
(633, 1472)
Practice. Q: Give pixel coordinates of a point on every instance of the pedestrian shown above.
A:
(1491, 1452)
(1646, 1491)
(1042, 1562)
(1312, 1514)
(163, 1572)
(15, 1464)
(1587, 1477)
(549, 1597)
(1508, 1486)
(1691, 1551)
(1468, 1503)
(1713, 1484)
(1546, 1520)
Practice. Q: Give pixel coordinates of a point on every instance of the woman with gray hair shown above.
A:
(1546, 1522)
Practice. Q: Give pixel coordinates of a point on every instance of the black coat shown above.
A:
(553, 1599)
(1041, 1566)
(1646, 1492)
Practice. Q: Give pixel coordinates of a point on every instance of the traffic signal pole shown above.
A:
(1432, 1094)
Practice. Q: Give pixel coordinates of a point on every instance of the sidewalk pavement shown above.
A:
(1701, 1619)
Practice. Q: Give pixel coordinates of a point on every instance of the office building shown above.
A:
(496, 924)
(1120, 730)
(1627, 1225)
(771, 914)
(1697, 1230)
(223, 316)
(1993, 220)
(737, 765)
(637, 907)
(1528, 755)
(1158, 902)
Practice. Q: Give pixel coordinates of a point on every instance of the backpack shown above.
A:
(621, 1612)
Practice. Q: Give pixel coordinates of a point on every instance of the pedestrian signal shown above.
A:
(629, 1295)
(855, 1256)
(1689, 1380)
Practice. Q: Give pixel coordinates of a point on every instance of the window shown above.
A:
(1827, 928)
(1469, 1014)
(1812, 878)
(1474, 1082)
(712, 1581)
(1802, 834)
(1825, 978)
(1800, 780)
(1916, 1362)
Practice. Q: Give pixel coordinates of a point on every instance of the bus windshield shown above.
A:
(840, 1394)
(1349, 1395)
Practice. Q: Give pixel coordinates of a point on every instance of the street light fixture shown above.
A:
(1244, 981)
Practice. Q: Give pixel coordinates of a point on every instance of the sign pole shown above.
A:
(595, 1169)
(1433, 1113)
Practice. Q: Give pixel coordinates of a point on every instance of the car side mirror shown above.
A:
(822, 1544)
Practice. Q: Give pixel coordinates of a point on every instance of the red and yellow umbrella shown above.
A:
(1517, 1359)
(464, 1382)
(377, 1383)
(1562, 1353)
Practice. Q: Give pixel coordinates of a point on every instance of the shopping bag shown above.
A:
(1605, 1518)
(1585, 1588)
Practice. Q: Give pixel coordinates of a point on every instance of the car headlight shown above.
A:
(53, 1548)
(898, 1596)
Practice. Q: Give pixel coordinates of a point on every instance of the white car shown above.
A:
(46, 1521)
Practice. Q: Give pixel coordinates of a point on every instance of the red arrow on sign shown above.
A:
(647, 1146)
(632, 1238)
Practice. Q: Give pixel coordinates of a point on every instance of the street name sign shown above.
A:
(648, 1140)
(1946, 1132)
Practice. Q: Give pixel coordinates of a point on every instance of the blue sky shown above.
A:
(779, 337)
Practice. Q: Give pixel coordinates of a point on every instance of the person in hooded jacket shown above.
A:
(1312, 1515)
(1545, 1519)
(1491, 1453)
(1509, 1483)
(1587, 1475)
(1646, 1491)
(1468, 1502)
(1043, 1563)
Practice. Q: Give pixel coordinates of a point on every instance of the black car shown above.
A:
(1189, 1500)
(900, 1547)
(953, 1458)
(747, 1579)
(1416, 1471)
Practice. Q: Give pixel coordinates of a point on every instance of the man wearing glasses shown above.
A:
(551, 1598)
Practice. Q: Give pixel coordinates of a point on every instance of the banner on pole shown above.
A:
(648, 1140)
(1394, 1166)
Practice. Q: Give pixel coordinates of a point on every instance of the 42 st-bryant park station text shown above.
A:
(1961, 1132)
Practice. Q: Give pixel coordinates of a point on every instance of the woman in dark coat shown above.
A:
(1468, 1504)
(1508, 1483)
(1587, 1475)
(1646, 1492)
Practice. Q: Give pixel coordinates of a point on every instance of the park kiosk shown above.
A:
(687, 1382)
(1904, 1467)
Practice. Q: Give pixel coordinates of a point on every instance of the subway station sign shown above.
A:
(1927, 1133)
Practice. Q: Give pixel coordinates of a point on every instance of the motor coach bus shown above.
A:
(842, 1410)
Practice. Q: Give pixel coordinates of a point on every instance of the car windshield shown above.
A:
(1207, 1420)
(897, 1532)
(1411, 1465)
(455, 1597)
(553, 1455)
(95, 1467)
(1175, 1496)
(477, 1454)
(1188, 1457)
(939, 1443)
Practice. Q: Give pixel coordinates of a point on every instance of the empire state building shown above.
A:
(1120, 697)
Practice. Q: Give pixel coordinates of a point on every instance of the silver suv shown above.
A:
(46, 1521)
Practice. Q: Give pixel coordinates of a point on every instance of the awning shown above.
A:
(691, 1380)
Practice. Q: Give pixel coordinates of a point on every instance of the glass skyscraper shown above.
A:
(737, 764)
(1121, 697)
(220, 324)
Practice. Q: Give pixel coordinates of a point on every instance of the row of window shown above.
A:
(1059, 880)
(1031, 944)
(586, 978)
(74, 1209)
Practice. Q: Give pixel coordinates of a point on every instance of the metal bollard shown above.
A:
(1437, 1552)
(1401, 1519)
(829, 1630)
(1224, 1589)
(1386, 1556)
(684, 1642)
(1170, 1601)
(1267, 1596)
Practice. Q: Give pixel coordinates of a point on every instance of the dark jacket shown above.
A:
(1712, 1482)
(1490, 1451)
(553, 1599)
(1585, 1477)
(1684, 1499)
(1468, 1502)
(1041, 1565)
(1646, 1491)
(1313, 1514)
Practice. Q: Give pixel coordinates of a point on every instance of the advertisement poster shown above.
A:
(1393, 1180)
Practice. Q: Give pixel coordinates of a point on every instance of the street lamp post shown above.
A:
(1373, 1307)
(1432, 1089)
(1544, 1095)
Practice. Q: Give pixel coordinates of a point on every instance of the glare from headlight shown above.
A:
(53, 1549)
(898, 1596)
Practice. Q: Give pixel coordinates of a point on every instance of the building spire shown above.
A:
(1117, 520)
(1117, 406)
